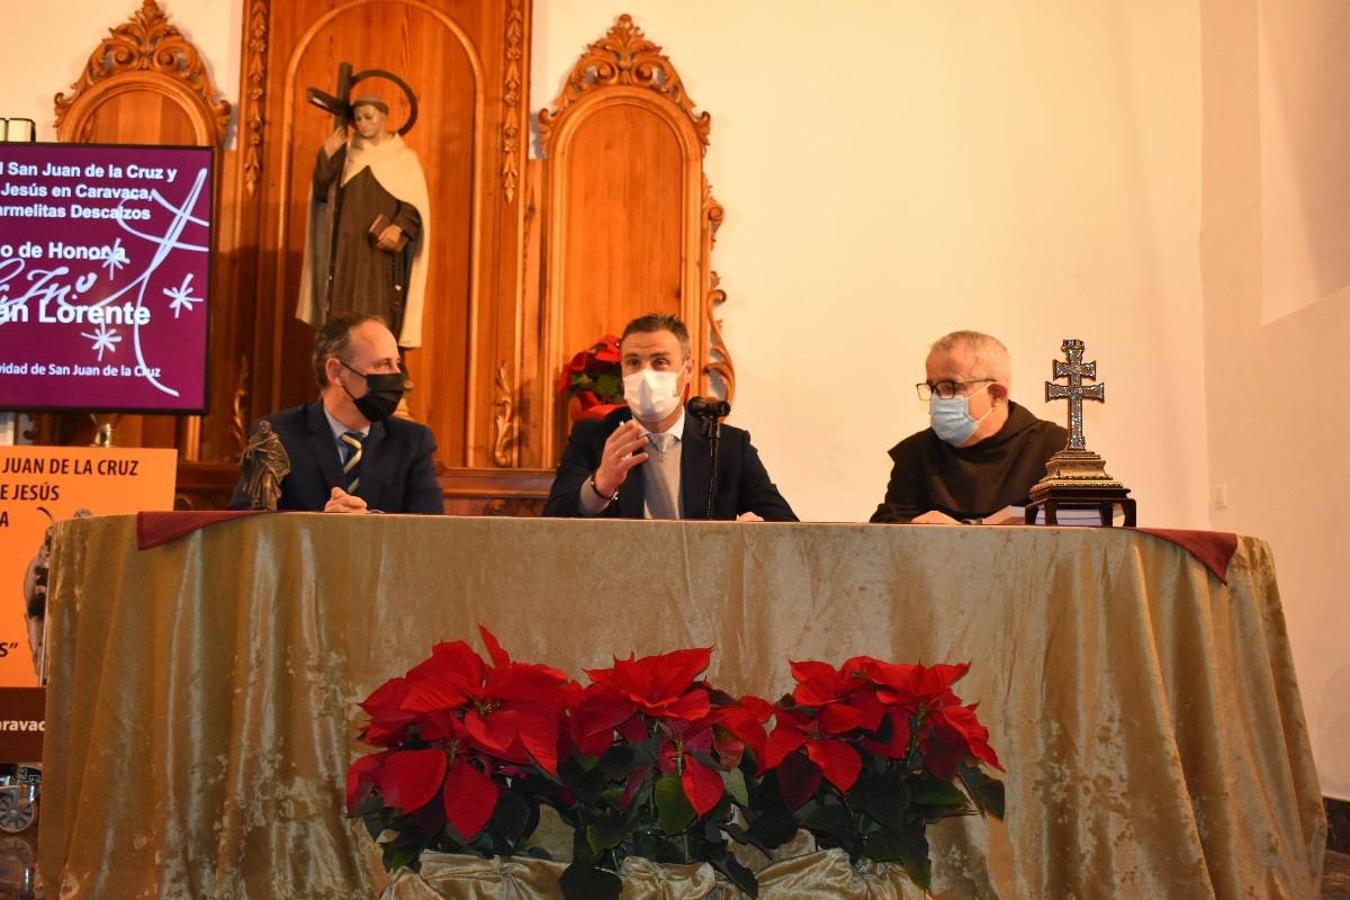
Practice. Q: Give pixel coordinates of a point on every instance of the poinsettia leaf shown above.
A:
(987, 792)
(828, 819)
(884, 798)
(511, 818)
(772, 828)
(838, 761)
(734, 783)
(618, 761)
(927, 790)
(907, 846)
(469, 797)
(500, 658)
(410, 778)
(672, 806)
(798, 779)
(702, 785)
(584, 882)
(607, 834)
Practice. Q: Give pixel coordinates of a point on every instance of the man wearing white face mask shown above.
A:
(982, 453)
(648, 460)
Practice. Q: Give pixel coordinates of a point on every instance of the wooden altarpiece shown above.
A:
(627, 218)
(531, 260)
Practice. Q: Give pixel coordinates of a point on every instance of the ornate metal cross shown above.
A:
(1076, 392)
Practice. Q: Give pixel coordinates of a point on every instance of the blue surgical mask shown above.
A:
(951, 419)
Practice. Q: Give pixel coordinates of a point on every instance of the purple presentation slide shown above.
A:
(104, 277)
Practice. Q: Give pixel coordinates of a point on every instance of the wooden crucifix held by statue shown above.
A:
(369, 213)
(1076, 477)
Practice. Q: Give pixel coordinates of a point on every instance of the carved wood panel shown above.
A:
(626, 214)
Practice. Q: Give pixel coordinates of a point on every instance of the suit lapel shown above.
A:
(695, 469)
(324, 448)
(374, 465)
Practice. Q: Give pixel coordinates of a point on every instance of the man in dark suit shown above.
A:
(650, 460)
(346, 454)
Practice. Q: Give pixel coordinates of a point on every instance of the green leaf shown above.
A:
(583, 882)
(828, 819)
(771, 828)
(618, 762)
(671, 804)
(987, 792)
(511, 816)
(735, 785)
(609, 386)
(884, 798)
(607, 835)
(931, 791)
(907, 846)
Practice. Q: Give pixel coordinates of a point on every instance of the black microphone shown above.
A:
(708, 408)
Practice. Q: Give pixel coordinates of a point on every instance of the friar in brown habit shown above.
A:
(369, 226)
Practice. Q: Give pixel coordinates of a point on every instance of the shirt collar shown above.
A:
(339, 429)
(676, 429)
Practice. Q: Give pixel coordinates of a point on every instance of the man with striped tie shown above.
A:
(346, 453)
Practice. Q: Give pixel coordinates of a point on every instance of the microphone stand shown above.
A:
(710, 411)
(712, 430)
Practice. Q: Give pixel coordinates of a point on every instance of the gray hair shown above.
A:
(991, 357)
(334, 338)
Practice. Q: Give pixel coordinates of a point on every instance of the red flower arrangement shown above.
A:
(649, 760)
(594, 377)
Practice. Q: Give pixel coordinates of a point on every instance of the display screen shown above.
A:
(104, 277)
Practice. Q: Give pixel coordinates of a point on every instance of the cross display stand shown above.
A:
(1075, 477)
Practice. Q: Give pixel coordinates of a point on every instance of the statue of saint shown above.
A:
(369, 225)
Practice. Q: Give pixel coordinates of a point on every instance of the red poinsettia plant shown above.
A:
(593, 375)
(469, 747)
(656, 769)
(650, 760)
(865, 756)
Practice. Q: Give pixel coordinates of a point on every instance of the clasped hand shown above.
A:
(339, 501)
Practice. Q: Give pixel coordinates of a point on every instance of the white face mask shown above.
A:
(652, 395)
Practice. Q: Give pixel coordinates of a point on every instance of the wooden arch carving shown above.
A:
(629, 219)
(145, 55)
(145, 83)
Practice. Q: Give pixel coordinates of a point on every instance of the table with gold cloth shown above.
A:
(202, 700)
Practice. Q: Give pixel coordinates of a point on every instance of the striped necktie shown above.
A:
(352, 452)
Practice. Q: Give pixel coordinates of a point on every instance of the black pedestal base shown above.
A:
(1104, 500)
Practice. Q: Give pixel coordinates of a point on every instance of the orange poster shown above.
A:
(42, 485)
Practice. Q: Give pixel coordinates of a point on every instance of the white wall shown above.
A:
(894, 171)
(48, 44)
(1276, 266)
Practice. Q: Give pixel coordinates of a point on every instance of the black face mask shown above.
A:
(383, 392)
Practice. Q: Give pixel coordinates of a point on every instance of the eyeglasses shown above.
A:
(946, 390)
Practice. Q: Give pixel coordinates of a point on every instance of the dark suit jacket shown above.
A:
(397, 472)
(742, 483)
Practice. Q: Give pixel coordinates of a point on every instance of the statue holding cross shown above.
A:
(1075, 477)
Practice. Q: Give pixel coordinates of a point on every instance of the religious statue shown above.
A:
(369, 216)
(265, 463)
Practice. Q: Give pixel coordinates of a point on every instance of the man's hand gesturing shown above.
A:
(622, 452)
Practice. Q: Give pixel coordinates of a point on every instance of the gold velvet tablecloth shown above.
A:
(202, 700)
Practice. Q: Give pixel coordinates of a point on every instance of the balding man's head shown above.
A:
(987, 354)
